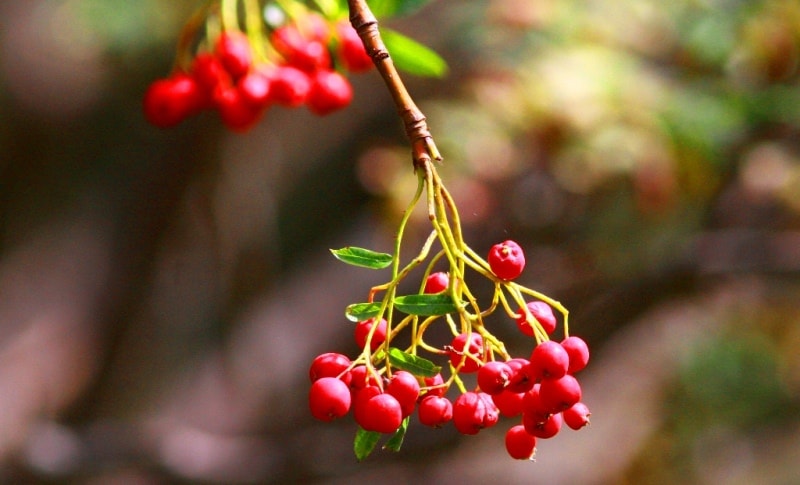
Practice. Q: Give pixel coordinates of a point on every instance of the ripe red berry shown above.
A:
(578, 352)
(506, 260)
(520, 444)
(543, 429)
(363, 329)
(577, 416)
(329, 364)
(493, 377)
(359, 378)
(234, 110)
(436, 283)
(543, 314)
(550, 360)
(234, 52)
(351, 50)
(330, 91)
(435, 411)
(255, 89)
(405, 388)
(290, 86)
(523, 375)
(329, 398)
(434, 386)
(209, 72)
(169, 101)
(466, 358)
(474, 411)
(509, 403)
(532, 406)
(560, 394)
(381, 413)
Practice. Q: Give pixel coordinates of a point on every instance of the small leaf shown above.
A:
(365, 442)
(396, 441)
(411, 56)
(414, 364)
(364, 258)
(389, 8)
(426, 305)
(358, 312)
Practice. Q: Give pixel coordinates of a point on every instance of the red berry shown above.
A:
(506, 260)
(234, 52)
(381, 413)
(560, 394)
(435, 411)
(329, 364)
(436, 283)
(433, 385)
(329, 398)
(234, 110)
(209, 72)
(523, 375)
(543, 429)
(363, 329)
(550, 360)
(405, 388)
(577, 416)
(474, 411)
(169, 101)
(520, 444)
(578, 353)
(351, 49)
(290, 86)
(543, 314)
(532, 406)
(509, 403)
(466, 359)
(493, 377)
(359, 378)
(330, 91)
(255, 88)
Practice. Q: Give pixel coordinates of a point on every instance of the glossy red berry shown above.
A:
(520, 444)
(434, 411)
(509, 403)
(493, 377)
(234, 52)
(506, 260)
(362, 332)
(381, 413)
(523, 375)
(532, 406)
(255, 89)
(405, 388)
(329, 398)
(329, 364)
(330, 91)
(290, 86)
(434, 385)
(543, 429)
(542, 312)
(466, 352)
(436, 283)
(209, 72)
(361, 378)
(578, 352)
(577, 416)
(169, 101)
(549, 360)
(235, 111)
(474, 411)
(560, 394)
(351, 50)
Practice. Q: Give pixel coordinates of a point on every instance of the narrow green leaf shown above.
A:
(396, 441)
(364, 258)
(414, 364)
(412, 57)
(365, 442)
(358, 312)
(389, 8)
(426, 305)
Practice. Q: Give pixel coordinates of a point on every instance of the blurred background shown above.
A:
(162, 292)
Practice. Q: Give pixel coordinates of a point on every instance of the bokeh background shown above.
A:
(162, 293)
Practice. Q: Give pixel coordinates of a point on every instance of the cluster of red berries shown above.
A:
(541, 391)
(298, 63)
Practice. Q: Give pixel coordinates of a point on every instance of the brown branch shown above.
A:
(422, 145)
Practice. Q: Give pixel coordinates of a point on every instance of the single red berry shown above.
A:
(290, 86)
(351, 50)
(543, 314)
(255, 88)
(550, 360)
(381, 413)
(330, 364)
(434, 411)
(329, 398)
(523, 375)
(359, 378)
(466, 357)
(506, 260)
(543, 429)
(209, 72)
(436, 283)
(362, 332)
(578, 352)
(330, 91)
(532, 406)
(509, 403)
(493, 377)
(234, 110)
(560, 394)
(169, 101)
(405, 388)
(520, 444)
(434, 385)
(474, 411)
(577, 416)
(234, 52)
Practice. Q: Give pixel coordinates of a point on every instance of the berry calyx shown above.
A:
(329, 398)
(506, 260)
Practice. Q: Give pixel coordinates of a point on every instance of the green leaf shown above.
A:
(362, 311)
(426, 305)
(365, 442)
(411, 56)
(396, 441)
(414, 364)
(364, 258)
(388, 8)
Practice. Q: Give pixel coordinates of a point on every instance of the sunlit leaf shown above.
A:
(365, 442)
(426, 305)
(414, 364)
(411, 56)
(364, 258)
(358, 312)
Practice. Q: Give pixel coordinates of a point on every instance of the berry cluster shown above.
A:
(540, 391)
(242, 73)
